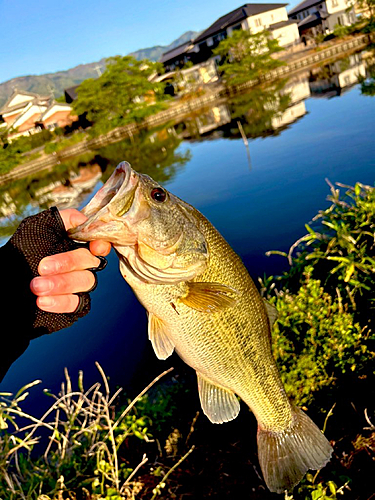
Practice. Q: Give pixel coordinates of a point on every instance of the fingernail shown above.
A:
(42, 285)
(46, 301)
(48, 266)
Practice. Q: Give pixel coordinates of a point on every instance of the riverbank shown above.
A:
(182, 107)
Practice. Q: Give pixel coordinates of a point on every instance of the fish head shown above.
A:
(156, 235)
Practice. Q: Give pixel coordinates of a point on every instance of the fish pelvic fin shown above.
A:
(209, 297)
(218, 404)
(286, 456)
(157, 333)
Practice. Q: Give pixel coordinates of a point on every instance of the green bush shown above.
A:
(316, 340)
(341, 251)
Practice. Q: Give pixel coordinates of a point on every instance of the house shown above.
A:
(321, 16)
(178, 56)
(26, 113)
(71, 94)
(254, 18)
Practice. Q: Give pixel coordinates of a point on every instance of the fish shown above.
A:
(202, 304)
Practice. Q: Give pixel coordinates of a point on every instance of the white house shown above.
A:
(26, 113)
(253, 17)
(321, 16)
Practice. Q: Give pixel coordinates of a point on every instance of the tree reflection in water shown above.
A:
(257, 111)
(68, 185)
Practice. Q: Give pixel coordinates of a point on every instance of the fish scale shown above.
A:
(202, 303)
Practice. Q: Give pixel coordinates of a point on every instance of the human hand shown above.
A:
(65, 274)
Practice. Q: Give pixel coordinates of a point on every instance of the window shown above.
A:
(258, 22)
(335, 3)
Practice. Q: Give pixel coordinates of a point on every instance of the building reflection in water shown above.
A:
(333, 79)
(261, 112)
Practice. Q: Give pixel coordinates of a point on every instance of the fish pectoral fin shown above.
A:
(162, 344)
(218, 404)
(271, 312)
(209, 297)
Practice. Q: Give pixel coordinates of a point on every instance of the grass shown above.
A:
(84, 450)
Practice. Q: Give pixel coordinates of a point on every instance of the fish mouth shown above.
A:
(106, 209)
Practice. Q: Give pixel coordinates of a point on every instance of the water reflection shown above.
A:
(263, 112)
(335, 78)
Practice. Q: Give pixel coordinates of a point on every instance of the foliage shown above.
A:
(259, 109)
(16, 152)
(316, 340)
(340, 30)
(368, 84)
(153, 153)
(121, 95)
(341, 250)
(246, 56)
(369, 6)
(60, 144)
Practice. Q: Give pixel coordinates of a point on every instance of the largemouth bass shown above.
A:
(202, 303)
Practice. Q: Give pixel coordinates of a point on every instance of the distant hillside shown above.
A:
(57, 82)
(154, 53)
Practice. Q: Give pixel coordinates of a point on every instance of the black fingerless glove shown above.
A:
(37, 237)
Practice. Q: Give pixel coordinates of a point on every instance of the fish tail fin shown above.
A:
(286, 456)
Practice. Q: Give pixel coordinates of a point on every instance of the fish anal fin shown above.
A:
(209, 297)
(271, 312)
(157, 333)
(219, 405)
(286, 456)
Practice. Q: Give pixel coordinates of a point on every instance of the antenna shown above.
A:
(51, 90)
(98, 69)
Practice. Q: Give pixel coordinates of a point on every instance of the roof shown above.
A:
(175, 52)
(236, 16)
(281, 24)
(316, 18)
(35, 97)
(305, 4)
(71, 93)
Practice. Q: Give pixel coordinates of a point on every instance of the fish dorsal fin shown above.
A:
(162, 344)
(218, 404)
(209, 297)
(271, 312)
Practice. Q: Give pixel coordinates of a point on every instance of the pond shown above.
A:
(256, 166)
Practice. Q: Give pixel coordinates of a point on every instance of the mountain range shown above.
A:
(55, 83)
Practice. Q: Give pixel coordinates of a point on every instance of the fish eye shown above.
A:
(159, 195)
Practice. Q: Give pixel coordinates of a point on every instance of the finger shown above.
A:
(72, 218)
(65, 262)
(61, 284)
(58, 303)
(100, 247)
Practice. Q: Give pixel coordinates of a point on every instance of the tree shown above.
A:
(246, 56)
(368, 6)
(122, 94)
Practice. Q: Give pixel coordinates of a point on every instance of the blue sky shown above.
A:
(46, 36)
